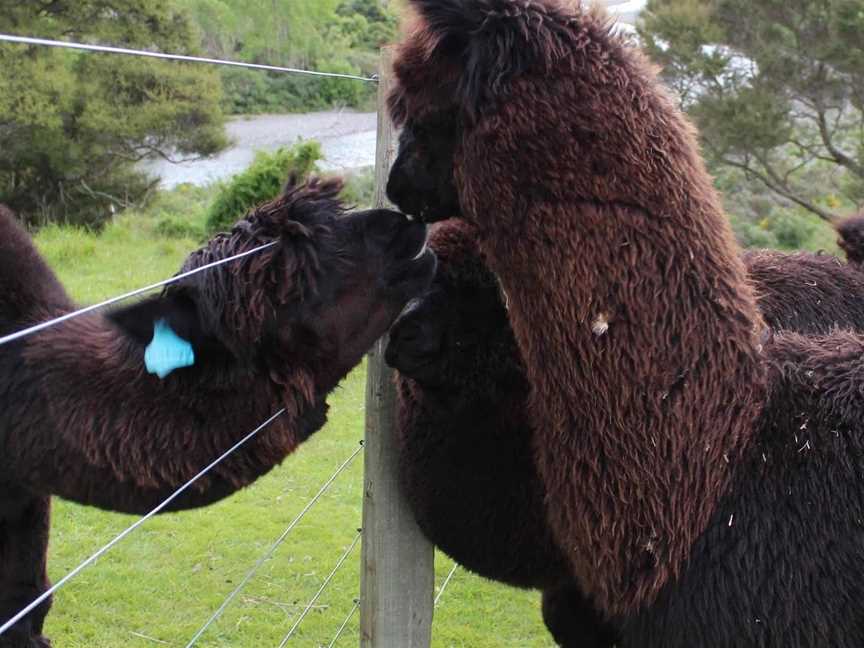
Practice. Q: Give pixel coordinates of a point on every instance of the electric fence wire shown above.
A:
(165, 282)
(444, 584)
(327, 580)
(267, 554)
(344, 623)
(15, 619)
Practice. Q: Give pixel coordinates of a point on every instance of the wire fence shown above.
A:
(72, 574)
(271, 550)
(344, 625)
(326, 582)
(107, 49)
(445, 584)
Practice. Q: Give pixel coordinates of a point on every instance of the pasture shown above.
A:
(162, 583)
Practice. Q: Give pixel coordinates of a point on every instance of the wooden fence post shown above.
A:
(397, 578)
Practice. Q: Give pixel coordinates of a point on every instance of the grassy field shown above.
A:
(159, 585)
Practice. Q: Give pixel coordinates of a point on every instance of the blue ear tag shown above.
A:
(167, 351)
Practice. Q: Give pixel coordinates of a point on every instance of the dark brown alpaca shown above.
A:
(466, 463)
(85, 421)
(851, 238)
(465, 458)
(691, 508)
(628, 299)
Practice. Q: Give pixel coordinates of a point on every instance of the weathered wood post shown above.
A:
(397, 578)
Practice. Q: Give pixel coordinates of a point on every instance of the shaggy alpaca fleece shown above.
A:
(466, 464)
(690, 506)
(807, 293)
(465, 457)
(628, 299)
(464, 428)
(82, 418)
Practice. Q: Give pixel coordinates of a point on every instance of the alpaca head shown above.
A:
(449, 338)
(422, 180)
(313, 303)
(851, 238)
(455, 68)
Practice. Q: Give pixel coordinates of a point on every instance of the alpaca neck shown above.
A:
(114, 436)
(28, 287)
(638, 338)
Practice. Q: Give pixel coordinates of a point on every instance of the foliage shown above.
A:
(180, 213)
(262, 181)
(761, 220)
(72, 125)
(367, 23)
(250, 91)
(776, 88)
(328, 35)
(359, 188)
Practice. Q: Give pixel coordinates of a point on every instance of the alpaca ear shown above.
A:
(488, 42)
(315, 196)
(138, 321)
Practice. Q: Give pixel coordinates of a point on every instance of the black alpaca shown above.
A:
(465, 456)
(82, 418)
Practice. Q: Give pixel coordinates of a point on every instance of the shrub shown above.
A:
(249, 92)
(262, 181)
(785, 229)
(176, 227)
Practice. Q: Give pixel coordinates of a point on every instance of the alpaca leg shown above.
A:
(573, 621)
(23, 573)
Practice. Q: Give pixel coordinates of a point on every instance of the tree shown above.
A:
(72, 125)
(775, 86)
(327, 35)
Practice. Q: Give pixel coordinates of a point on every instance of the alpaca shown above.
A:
(851, 238)
(662, 408)
(465, 459)
(278, 329)
(807, 293)
(595, 212)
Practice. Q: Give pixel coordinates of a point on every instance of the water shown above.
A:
(347, 142)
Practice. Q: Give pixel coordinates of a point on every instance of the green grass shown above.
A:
(167, 578)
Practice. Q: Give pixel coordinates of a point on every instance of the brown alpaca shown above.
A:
(82, 418)
(466, 464)
(628, 299)
(851, 238)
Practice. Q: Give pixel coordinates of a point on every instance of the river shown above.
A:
(347, 141)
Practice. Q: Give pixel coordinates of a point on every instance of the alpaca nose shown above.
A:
(415, 333)
(415, 339)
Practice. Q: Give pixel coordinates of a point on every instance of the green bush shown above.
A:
(73, 125)
(247, 92)
(785, 229)
(751, 235)
(177, 213)
(359, 188)
(262, 181)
